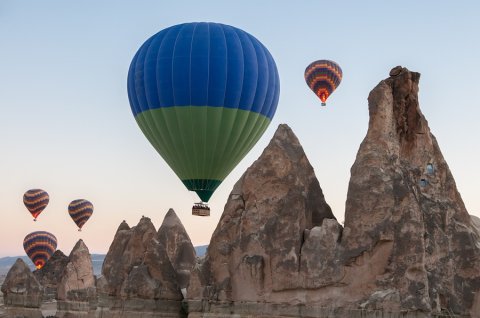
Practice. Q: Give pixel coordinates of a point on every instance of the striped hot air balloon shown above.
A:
(36, 200)
(80, 211)
(203, 94)
(323, 77)
(40, 246)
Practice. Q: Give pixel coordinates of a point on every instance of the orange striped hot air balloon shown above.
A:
(40, 246)
(323, 77)
(36, 200)
(80, 211)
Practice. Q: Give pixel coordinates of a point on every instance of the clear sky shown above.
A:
(66, 125)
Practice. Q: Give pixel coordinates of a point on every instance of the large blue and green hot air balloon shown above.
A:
(203, 94)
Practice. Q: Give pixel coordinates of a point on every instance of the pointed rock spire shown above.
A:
(179, 247)
(20, 288)
(78, 280)
(256, 247)
(402, 199)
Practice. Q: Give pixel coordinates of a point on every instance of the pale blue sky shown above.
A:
(66, 125)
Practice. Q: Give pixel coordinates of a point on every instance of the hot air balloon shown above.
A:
(80, 211)
(40, 246)
(323, 77)
(203, 94)
(35, 200)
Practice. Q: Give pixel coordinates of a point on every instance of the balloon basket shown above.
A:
(200, 209)
(324, 104)
(79, 230)
(34, 220)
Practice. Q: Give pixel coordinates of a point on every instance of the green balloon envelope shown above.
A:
(203, 94)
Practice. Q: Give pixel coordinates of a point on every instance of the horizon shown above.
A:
(68, 128)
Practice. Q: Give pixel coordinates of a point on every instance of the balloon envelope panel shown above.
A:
(40, 246)
(203, 94)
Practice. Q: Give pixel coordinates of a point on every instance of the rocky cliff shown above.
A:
(408, 244)
(255, 253)
(22, 293)
(77, 288)
(139, 278)
(51, 274)
(20, 288)
(403, 202)
(181, 253)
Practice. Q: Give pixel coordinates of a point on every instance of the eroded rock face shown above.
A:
(126, 251)
(178, 246)
(255, 250)
(476, 222)
(138, 277)
(20, 288)
(408, 242)
(77, 288)
(402, 196)
(51, 274)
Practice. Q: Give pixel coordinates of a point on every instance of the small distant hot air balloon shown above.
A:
(36, 200)
(203, 94)
(40, 246)
(323, 77)
(80, 211)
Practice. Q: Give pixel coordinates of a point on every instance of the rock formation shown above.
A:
(179, 247)
(76, 289)
(138, 277)
(408, 242)
(270, 230)
(20, 288)
(403, 203)
(51, 274)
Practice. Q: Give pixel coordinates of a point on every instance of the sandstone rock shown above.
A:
(178, 246)
(77, 290)
(20, 288)
(408, 244)
(256, 248)
(126, 251)
(138, 278)
(51, 274)
(156, 270)
(402, 196)
(476, 223)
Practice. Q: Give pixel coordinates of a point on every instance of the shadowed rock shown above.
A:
(20, 288)
(408, 244)
(138, 277)
(178, 246)
(51, 274)
(77, 290)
